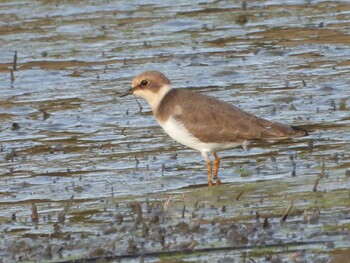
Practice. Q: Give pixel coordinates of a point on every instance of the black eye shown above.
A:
(144, 82)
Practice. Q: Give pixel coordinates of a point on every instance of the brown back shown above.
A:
(211, 120)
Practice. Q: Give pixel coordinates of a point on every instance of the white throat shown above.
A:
(152, 98)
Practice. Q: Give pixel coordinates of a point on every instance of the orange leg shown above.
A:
(216, 169)
(210, 171)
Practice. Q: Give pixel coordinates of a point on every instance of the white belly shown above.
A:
(180, 134)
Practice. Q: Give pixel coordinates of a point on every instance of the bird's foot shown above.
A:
(217, 182)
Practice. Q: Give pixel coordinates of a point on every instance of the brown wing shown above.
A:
(211, 120)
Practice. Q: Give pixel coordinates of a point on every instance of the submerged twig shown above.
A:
(35, 216)
(266, 223)
(138, 103)
(183, 212)
(62, 215)
(165, 207)
(286, 214)
(45, 114)
(305, 216)
(316, 184)
(12, 76)
(137, 209)
(323, 170)
(137, 161)
(14, 66)
(239, 195)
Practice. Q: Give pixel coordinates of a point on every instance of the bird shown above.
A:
(202, 122)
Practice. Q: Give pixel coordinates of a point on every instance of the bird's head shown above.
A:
(151, 86)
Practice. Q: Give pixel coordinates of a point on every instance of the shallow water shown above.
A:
(64, 130)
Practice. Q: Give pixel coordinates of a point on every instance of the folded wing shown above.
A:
(211, 120)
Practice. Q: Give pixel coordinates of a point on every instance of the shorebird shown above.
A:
(202, 122)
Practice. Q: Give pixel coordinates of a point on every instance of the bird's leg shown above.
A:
(216, 169)
(209, 169)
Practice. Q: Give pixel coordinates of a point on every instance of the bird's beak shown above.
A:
(126, 93)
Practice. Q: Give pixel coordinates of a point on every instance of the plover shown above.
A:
(202, 122)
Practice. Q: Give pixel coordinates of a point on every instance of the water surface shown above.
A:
(64, 130)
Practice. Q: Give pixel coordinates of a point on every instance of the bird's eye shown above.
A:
(144, 82)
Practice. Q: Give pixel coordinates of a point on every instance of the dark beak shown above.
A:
(126, 93)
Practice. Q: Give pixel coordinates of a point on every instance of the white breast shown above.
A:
(180, 134)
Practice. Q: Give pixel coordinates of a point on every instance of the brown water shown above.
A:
(64, 130)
